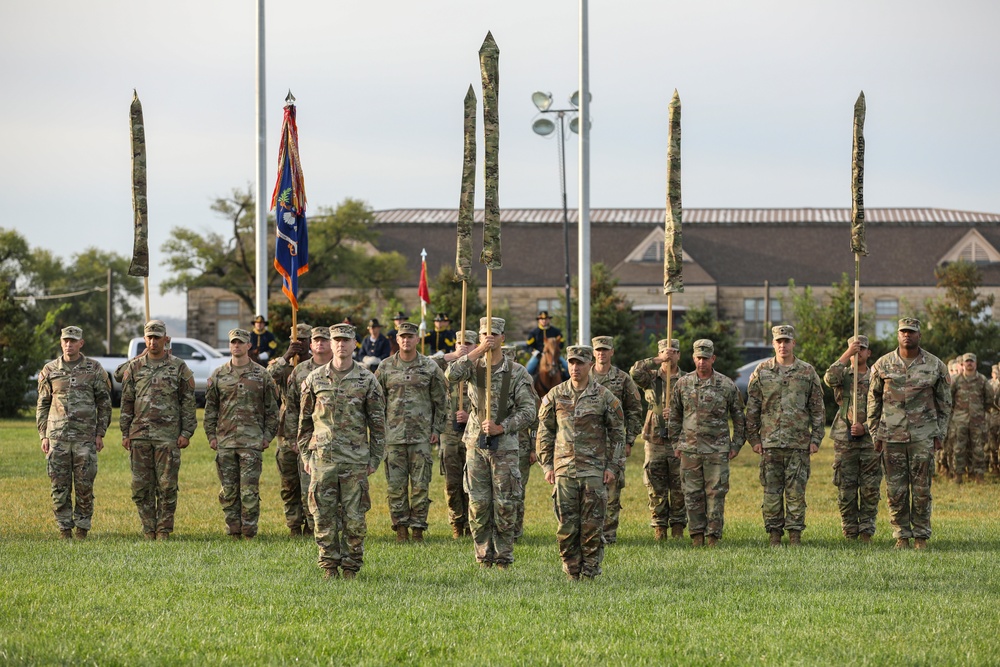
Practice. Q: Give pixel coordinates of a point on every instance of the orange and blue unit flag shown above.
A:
(291, 248)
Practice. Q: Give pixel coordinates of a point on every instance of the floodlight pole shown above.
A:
(260, 245)
(583, 239)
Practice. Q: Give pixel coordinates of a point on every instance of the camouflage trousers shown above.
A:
(294, 486)
(339, 501)
(783, 474)
(942, 457)
(72, 468)
(857, 474)
(613, 513)
(661, 473)
(155, 466)
(908, 487)
(706, 483)
(525, 447)
(993, 442)
(968, 448)
(239, 474)
(453, 460)
(580, 505)
(493, 482)
(408, 470)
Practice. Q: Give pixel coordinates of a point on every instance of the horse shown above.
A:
(550, 371)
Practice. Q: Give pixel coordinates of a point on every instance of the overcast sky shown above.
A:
(767, 89)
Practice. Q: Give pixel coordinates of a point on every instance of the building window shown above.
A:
(228, 307)
(222, 329)
(654, 252)
(974, 252)
(553, 306)
(886, 317)
(753, 310)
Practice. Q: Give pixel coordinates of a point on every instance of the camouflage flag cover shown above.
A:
(673, 279)
(489, 61)
(467, 201)
(140, 247)
(858, 243)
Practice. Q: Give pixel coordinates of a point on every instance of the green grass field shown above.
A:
(201, 598)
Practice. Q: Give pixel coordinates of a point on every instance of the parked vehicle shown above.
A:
(743, 376)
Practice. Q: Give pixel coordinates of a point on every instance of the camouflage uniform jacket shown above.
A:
(74, 400)
(647, 376)
(521, 407)
(581, 435)
(970, 399)
(700, 411)
(288, 379)
(621, 384)
(416, 399)
(912, 403)
(785, 406)
(241, 406)
(342, 418)
(840, 378)
(158, 399)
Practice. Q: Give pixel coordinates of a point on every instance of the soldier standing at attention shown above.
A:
(342, 438)
(72, 416)
(621, 384)
(971, 397)
(538, 336)
(492, 476)
(943, 456)
(993, 421)
(909, 405)
(857, 467)
(157, 421)
(416, 411)
(701, 405)
(661, 471)
(581, 441)
(785, 421)
(452, 446)
(241, 418)
(292, 478)
(526, 455)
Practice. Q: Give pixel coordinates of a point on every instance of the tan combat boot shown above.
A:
(306, 530)
(711, 540)
(775, 538)
(659, 533)
(66, 534)
(81, 533)
(418, 534)
(295, 531)
(503, 566)
(980, 479)
(162, 536)
(902, 543)
(331, 573)
(920, 543)
(958, 478)
(402, 534)
(698, 540)
(350, 574)
(149, 536)
(457, 532)
(795, 538)
(865, 538)
(677, 531)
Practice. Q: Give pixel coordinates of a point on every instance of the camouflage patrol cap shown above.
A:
(603, 342)
(241, 335)
(76, 333)
(303, 331)
(407, 329)
(863, 340)
(664, 344)
(909, 324)
(343, 331)
(704, 348)
(471, 337)
(497, 328)
(320, 332)
(156, 328)
(783, 331)
(583, 353)
(969, 356)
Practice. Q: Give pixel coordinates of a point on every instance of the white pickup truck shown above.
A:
(199, 356)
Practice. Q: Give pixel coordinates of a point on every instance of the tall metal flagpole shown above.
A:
(489, 65)
(673, 255)
(583, 258)
(859, 245)
(261, 198)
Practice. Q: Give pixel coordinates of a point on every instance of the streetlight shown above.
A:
(545, 127)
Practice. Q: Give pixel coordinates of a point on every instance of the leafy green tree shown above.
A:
(961, 321)
(701, 322)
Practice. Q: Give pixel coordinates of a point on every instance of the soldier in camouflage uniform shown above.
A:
(492, 477)
(785, 421)
(451, 446)
(993, 424)
(857, 467)
(157, 421)
(943, 456)
(288, 379)
(971, 398)
(581, 442)
(342, 439)
(909, 405)
(526, 455)
(241, 418)
(416, 401)
(701, 406)
(72, 416)
(662, 470)
(625, 390)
